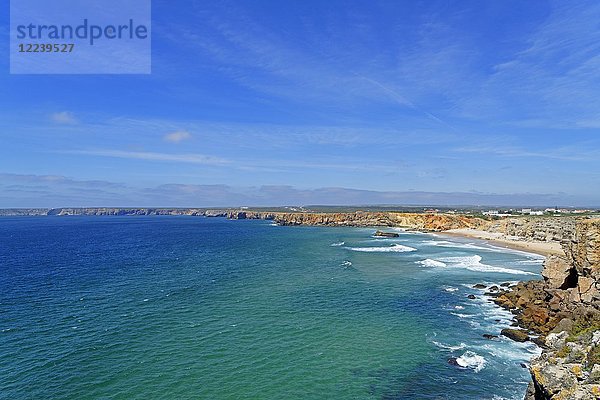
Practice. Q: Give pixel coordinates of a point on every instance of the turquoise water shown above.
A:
(195, 308)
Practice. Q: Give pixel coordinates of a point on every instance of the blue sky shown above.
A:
(313, 102)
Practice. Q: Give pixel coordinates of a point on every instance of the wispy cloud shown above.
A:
(241, 164)
(152, 156)
(334, 70)
(285, 136)
(177, 136)
(32, 179)
(553, 80)
(566, 153)
(64, 117)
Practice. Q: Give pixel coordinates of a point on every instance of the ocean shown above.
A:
(208, 308)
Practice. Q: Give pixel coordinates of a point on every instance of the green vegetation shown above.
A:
(563, 352)
(582, 327)
(593, 357)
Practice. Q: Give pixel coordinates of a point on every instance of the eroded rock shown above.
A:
(518, 335)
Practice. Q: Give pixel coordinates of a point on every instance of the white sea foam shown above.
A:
(397, 248)
(337, 244)
(449, 347)
(378, 239)
(513, 352)
(431, 263)
(459, 315)
(446, 243)
(347, 264)
(473, 263)
(459, 308)
(532, 262)
(484, 246)
(471, 360)
(450, 289)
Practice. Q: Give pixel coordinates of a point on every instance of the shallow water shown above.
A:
(188, 307)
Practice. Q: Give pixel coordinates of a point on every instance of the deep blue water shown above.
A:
(189, 307)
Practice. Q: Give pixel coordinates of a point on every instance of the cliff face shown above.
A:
(543, 229)
(100, 211)
(564, 309)
(124, 211)
(429, 222)
(583, 253)
(578, 272)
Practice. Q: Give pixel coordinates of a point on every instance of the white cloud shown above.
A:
(152, 156)
(178, 136)
(64, 117)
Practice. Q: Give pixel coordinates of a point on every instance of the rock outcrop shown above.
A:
(564, 310)
(379, 233)
(424, 221)
(541, 229)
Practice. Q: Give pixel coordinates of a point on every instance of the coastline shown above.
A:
(498, 239)
(563, 305)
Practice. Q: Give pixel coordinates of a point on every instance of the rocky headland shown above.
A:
(562, 311)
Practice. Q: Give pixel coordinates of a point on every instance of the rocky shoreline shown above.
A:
(563, 312)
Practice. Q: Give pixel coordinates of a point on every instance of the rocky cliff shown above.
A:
(101, 211)
(428, 222)
(564, 310)
(542, 229)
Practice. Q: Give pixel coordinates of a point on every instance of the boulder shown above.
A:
(504, 301)
(556, 340)
(453, 361)
(518, 335)
(386, 234)
(587, 289)
(535, 317)
(564, 325)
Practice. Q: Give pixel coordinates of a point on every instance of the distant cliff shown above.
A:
(99, 211)
(429, 222)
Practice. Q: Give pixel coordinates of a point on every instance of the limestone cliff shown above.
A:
(543, 229)
(564, 309)
(428, 222)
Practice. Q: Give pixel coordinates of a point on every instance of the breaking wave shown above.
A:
(397, 248)
(471, 360)
(431, 263)
(473, 263)
(448, 347)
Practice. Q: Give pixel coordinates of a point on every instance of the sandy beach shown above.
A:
(499, 239)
